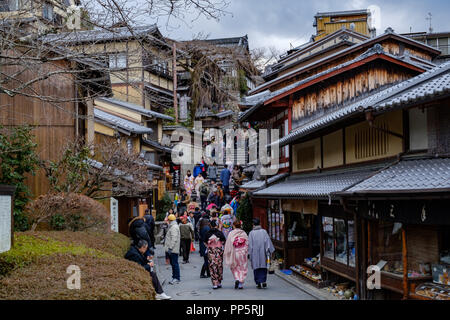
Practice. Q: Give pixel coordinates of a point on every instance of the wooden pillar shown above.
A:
(364, 249)
(405, 265)
(357, 251)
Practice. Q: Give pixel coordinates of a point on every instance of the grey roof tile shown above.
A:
(134, 107)
(120, 123)
(409, 175)
(256, 184)
(98, 35)
(317, 185)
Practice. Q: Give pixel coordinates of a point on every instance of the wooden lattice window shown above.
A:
(371, 142)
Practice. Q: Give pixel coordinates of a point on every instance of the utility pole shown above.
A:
(174, 71)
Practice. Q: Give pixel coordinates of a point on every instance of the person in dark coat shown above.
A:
(137, 253)
(197, 216)
(150, 227)
(138, 231)
(204, 228)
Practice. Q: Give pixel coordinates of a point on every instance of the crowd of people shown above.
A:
(205, 212)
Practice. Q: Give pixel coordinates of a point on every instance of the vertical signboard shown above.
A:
(114, 215)
(5, 222)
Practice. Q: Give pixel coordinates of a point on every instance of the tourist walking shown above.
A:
(172, 246)
(204, 192)
(203, 230)
(226, 222)
(189, 183)
(259, 249)
(212, 172)
(236, 254)
(225, 177)
(187, 236)
(215, 241)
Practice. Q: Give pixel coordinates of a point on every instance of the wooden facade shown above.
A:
(54, 123)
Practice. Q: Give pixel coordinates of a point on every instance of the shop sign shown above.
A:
(114, 204)
(429, 212)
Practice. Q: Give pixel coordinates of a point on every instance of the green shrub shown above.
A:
(28, 248)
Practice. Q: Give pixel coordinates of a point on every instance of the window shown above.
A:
(118, 61)
(443, 45)
(339, 240)
(418, 135)
(47, 11)
(305, 158)
(9, 5)
(328, 237)
(276, 221)
(370, 142)
(387, 246)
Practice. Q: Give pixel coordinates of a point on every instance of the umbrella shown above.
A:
(212, 205)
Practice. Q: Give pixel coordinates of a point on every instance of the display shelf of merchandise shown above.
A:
(309, 274)
(431, 291)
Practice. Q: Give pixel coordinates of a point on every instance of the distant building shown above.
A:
(35, 15)
(139, 61)
(329, 22)
(438, 40)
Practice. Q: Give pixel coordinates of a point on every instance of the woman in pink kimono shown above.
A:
(236, 254)
(189, 183)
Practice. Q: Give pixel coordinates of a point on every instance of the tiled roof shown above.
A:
(432, 83)
(317, 185)
(204, 113)
(375, 50)
(256, 184)
(409, 176)
(136, 108)
(157, 145)
(98, 35)
(388, 32)
(120, 123)
(341, 13)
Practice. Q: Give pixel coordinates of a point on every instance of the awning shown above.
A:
(257, 184)
(317, 185)
(408, 176)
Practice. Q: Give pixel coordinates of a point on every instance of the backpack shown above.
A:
(204, 190)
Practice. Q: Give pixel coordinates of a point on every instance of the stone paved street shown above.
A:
(192, 287)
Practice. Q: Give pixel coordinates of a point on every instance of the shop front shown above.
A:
(405, 217)
(409, 240)
(292, 226)
(315, 235)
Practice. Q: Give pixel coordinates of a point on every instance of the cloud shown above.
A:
(280, 23)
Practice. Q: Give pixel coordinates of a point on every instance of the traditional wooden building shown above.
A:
(333, 142)
(139, 61)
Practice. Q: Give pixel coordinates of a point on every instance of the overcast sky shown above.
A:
(283, 22)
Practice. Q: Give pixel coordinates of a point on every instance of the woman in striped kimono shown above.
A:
(236, 254)
(215, 241)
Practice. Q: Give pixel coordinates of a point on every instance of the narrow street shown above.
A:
(192, 287)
